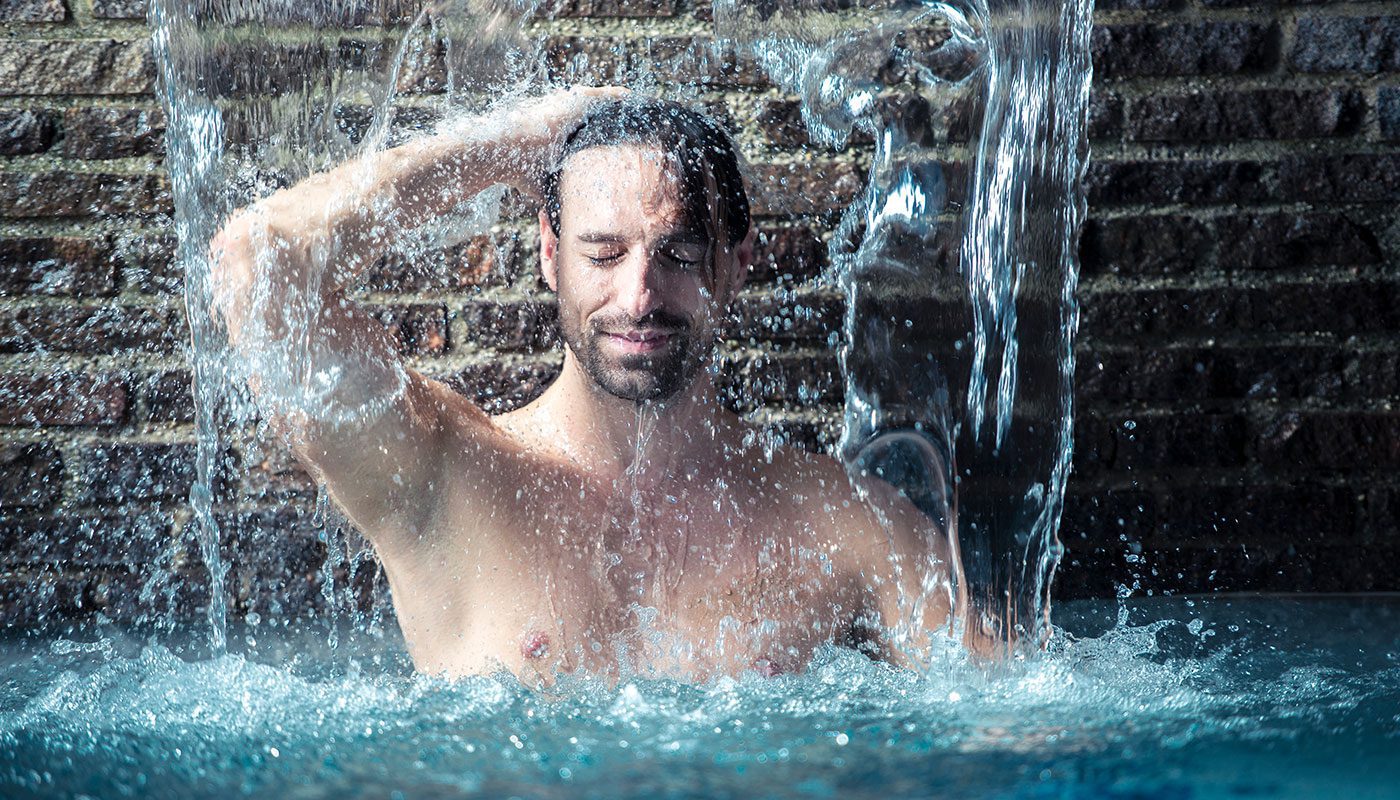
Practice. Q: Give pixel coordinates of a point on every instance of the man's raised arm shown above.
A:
(372, 430)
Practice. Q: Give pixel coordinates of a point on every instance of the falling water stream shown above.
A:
(957, 267)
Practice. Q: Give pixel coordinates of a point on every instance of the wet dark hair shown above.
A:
(709, 164)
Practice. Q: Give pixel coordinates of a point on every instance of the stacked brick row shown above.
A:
(1235, 425)
(1237, 372)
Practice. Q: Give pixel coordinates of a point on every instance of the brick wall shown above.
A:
(1237, 372)
(1237, 363)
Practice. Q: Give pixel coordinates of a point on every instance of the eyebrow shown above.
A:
(679, 237)
(602, 238)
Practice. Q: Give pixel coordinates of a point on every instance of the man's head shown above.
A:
(646, 238)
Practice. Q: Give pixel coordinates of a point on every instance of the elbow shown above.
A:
(250, 270)
(232, 278)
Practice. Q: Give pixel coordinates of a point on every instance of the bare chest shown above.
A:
(664, 586)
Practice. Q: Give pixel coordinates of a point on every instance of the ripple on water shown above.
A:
(1216, 700)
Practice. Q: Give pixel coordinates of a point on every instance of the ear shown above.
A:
(549, 253)
(740, 264)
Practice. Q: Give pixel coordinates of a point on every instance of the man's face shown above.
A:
(641, 293)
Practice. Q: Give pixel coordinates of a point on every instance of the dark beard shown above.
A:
(639, 377)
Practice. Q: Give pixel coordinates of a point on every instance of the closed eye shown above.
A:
(685, 258)
(604, 259)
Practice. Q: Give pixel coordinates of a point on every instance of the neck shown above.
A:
(644, 441)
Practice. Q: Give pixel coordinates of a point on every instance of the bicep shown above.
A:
(369, 428)
(909, 575)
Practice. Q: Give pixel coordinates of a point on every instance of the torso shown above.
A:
(706, 573)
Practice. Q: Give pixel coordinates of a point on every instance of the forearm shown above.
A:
(278, 260)
(330, 227)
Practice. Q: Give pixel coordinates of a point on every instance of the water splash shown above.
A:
(1288, 699)
(938, 306)
(966, 234)
(194, 160)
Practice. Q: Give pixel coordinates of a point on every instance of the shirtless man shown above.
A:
(623, 521)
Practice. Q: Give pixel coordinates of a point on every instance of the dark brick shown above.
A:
(484, 260)
(699, 60)
(1339, 308)
(1388, 109)
(1104, 516)
(1347, 44)
(1215, 373)
(105, 329)
(355, 121)
(61, 399)
(750, 381)
(787, 253)
(1343, 441)
(113, 132)
(166, 396)
(1281, 568)
(818, 435)
(592, 60)
(324, 16)
(803, 188)
(761, 316)
(419, 329)
(1278, 515)
(1111, 183)
(1105, 115)
(283, 538)
(1341, 178)
(56, 266)
(680, 59)
(272, 472)
(240, 69)
(105, 540)
(1147, 442)
(274, 560)
(1136, 5)
(25, 131)
(44, 595)
(509, 325)
(1375, 374)
(609, 8)
(780, 119)
(1259, 114)
(1145, 49)
(500, 386)
(1145, 245)
(1382, 509)
(1284, 241)
(31, 475)
(33, 11)
(87, 66)
(148, 264)
(119, 9)
(75, 194)
(122, 473)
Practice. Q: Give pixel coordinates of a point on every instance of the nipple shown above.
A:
(535, 645)
(767, 667)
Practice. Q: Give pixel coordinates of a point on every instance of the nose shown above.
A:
(637, 285)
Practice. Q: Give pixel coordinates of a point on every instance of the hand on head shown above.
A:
(540, 124)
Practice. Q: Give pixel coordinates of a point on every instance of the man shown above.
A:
(623, 520)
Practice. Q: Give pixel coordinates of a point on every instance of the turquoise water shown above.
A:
(1241, 697)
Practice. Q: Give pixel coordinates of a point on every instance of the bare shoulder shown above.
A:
(861, 515)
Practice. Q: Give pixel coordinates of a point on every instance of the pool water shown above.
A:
(1166, 698)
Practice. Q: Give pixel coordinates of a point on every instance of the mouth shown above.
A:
(640, 340)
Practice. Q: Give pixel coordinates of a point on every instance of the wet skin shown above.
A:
(566, 544)
(623, 520)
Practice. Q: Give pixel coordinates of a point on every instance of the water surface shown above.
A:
(1243, 697)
